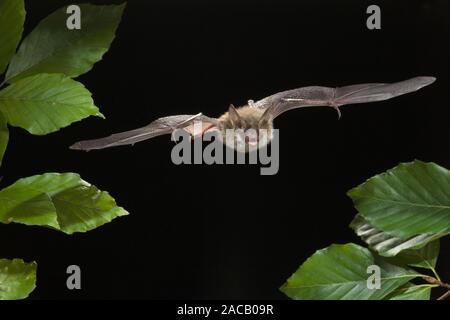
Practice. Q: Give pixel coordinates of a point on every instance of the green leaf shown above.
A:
(384, 243)
(62, 201)
(17, 279)
(411, 292)
(425, 257)
(12, 17)
(408, 200)
(45, 103)
(339, 272)
(4, 136)
(52, 48)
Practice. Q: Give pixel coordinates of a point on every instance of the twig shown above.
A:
(441, 284)
(444, 296)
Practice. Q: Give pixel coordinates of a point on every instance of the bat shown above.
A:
(252, 123)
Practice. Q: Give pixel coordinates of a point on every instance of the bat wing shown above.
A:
(158, 127)
(334, 97)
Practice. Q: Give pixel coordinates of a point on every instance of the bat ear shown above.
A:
(234, 115)
(267, 115)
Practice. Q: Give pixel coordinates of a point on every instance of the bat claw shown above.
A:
(338, 111)
(172, 135)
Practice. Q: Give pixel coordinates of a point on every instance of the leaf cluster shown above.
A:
(39, 94)
(402, 213)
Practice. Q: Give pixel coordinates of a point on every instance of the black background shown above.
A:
(225, 232)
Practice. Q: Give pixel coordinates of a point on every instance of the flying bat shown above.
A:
(253, 122)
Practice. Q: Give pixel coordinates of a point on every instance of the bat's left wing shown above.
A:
(161, 126)
(334, 97)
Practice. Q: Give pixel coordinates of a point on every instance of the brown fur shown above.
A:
(249, 118)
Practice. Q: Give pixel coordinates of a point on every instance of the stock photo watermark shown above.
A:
(251, 147)
(73, 22)
(73, 281)
(374, 20)
(374, 280)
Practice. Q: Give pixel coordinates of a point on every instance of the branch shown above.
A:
(441, 284)
(444, 296)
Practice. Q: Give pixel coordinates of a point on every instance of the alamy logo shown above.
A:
(374, 20)
(73, 22)
(251, 146)
(74, 279)
(374, 280)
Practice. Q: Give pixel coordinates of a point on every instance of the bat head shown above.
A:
(245, 129)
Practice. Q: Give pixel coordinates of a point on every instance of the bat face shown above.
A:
(245, 129)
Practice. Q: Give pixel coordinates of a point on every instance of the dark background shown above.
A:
(216, 232)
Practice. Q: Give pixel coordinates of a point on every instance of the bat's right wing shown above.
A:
(334, 97)
(158, 127)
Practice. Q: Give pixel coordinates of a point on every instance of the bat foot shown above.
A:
(338, 111)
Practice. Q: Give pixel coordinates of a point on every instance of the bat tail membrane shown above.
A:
(372, 92)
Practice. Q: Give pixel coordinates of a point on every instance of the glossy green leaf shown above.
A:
(12, 17)
(45, 103)
(408, 200)
(17, 279)
(340, 272)
(384, 243)
(425, 257)
(52, 48)
(62, 201)
(411, 292)
(4, 136)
